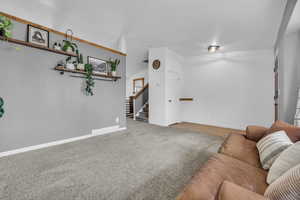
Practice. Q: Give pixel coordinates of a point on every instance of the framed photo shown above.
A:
(37, 36)
(99, 65)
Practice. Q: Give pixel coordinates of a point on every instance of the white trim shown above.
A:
(95, 133)
(104, 131)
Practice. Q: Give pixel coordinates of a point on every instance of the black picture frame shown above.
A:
(40, 37)
(91, 60)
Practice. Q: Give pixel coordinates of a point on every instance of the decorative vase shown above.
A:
(114, 73)
(56, 47)
(70, 66)
(80, 67)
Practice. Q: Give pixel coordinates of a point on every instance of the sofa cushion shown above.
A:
(231, 191)
(271, 146)
(206, 183)
(255, 133)
(287, 160)
(239, 147)
(292, 131)
(286, 187)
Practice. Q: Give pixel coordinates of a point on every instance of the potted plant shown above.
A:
(70, 64)
(89, 79)
(1, 107)
(69, 46)
(114, 64)
(5, 27)
(80, 65)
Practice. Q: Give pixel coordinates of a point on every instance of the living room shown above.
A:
(212, 100)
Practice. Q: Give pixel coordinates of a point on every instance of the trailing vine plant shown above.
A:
(1, 107)
(5, 27)
(89, 80)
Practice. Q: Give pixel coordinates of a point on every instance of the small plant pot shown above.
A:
(80, 67)
(57, 48)
(70, 66)
(69, 50)
(114, 73)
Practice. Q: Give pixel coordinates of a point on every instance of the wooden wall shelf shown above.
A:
(20, 42)
(115, 78)
(186, 99)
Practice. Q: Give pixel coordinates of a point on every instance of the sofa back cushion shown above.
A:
(292, 131)
(287, 160)
(270, 147)
(285, 187)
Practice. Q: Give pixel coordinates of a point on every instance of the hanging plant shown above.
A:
(68, 44)
(89, 80)
(1, 107)
(5, 27)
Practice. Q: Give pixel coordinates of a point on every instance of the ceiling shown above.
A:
(186, 26)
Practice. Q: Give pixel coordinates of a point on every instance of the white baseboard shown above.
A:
(95, 133)
(104, 131)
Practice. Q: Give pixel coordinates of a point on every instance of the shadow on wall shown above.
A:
(289, 76)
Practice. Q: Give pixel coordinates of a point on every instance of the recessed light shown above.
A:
(213, 48)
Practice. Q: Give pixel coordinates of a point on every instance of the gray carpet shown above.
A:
(141, 163)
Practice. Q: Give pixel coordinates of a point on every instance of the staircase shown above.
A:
(143, 114)
(129, 107)
(140, 105)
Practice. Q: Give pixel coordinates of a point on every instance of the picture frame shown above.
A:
(99, 65)
(38, 36)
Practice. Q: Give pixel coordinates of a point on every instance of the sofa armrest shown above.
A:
(231, 191)
(255, 133)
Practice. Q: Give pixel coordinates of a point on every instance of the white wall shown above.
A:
(165, 87)
(289, 76)
(230, 90)
(173, 87)
(136, 68)
(157, 103)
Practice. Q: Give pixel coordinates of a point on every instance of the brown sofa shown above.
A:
(234, 173)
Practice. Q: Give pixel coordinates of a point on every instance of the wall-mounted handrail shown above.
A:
(141, 91)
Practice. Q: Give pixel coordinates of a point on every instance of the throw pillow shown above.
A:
(286, 187)
(292, 131)
(288, 159)
(270, 147)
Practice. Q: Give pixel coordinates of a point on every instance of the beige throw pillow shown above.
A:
(286, 187)
(270, 147)
(288, 159)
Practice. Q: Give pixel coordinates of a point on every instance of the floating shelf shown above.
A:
(83, 72)
(28, 44)
(186, 99)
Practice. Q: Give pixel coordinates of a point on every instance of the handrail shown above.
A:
(141, 91)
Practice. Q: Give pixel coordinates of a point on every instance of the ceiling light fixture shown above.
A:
(213, 48)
